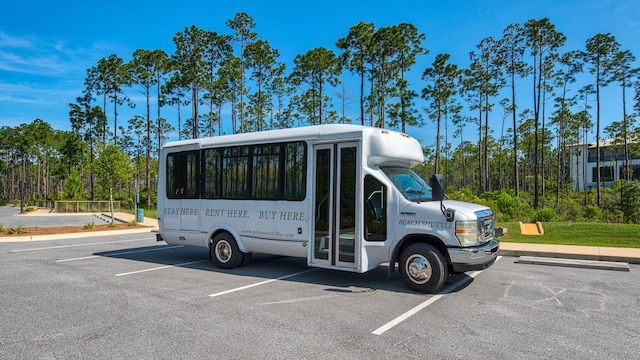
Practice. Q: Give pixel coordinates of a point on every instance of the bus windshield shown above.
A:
(410, 184)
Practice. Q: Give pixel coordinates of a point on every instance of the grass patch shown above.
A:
(148, 213)
(577, 233)
(17, 230)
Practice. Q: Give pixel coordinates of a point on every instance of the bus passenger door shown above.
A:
(336, 238)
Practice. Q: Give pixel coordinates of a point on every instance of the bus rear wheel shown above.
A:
(225, 252)
(422, 268)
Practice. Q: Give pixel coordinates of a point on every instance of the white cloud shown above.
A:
(14, 42)
(40, 75)
(52, 58)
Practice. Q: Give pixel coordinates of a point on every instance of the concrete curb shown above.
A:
(584, 264)
(592, 253)
(77, 235)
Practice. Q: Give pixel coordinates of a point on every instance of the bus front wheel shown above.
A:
(422, 268)
(225, 252)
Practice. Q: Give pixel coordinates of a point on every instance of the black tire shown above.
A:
(422, 268)
(225, 252)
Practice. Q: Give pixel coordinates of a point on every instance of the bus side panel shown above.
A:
(271, 227)
(185, 238)
(276, 247)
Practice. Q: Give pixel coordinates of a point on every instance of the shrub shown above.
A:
(614, 216)
(631, 202)
(133, 223)
(89, 225)
(127, 203)
(17, 230)
(512, 207)
(545, 215)
(591, 212)
(572, 212)
(462, 194)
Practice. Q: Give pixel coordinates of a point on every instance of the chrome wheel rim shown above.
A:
(418, 269)
(223, 251)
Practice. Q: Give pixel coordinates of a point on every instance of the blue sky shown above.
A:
(46, 47)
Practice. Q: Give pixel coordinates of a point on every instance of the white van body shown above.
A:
(342, 196)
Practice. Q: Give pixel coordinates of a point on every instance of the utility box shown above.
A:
(140, 215)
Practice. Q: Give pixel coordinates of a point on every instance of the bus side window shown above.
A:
(375, 209)
(182, 175)
(294, 170)
(172, 187)
(211, 174)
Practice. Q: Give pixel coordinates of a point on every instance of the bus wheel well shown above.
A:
(233, 242)
(224, 251)
(413, 239)
(215, 233)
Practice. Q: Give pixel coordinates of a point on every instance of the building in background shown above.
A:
(583, 165)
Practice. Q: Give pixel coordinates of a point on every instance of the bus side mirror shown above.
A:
(437, 187)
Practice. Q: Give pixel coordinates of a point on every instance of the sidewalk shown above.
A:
(628, 255)
(148, 225)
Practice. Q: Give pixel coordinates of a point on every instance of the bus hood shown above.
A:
(463, 210)
(467, 210)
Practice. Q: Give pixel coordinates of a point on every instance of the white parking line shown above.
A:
(160, 268)
(119, 253)
(262, 282)
(75, 245)
(381, 330)
(298, 300)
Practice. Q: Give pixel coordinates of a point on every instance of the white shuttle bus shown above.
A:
(342, 196)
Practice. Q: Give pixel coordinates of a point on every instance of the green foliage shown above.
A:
(631, 202)
(569, 209)
(315, 68)
(72, 188)
(132, 223)
(463, 194)
(89, 225)
(126, 203)
(591, 212)
(545, 215)
(17, 230)
(512, 207)
(112, 168)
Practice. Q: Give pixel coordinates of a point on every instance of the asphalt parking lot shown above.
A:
(129, 296)
(9, 218)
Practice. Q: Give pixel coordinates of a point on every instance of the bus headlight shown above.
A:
(467, 232)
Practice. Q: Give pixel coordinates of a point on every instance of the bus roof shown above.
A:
(407, 154)
(303, 132)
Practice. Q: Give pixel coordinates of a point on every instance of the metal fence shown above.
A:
(84, 206)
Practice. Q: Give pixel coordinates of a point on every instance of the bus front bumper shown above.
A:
(474, 258)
